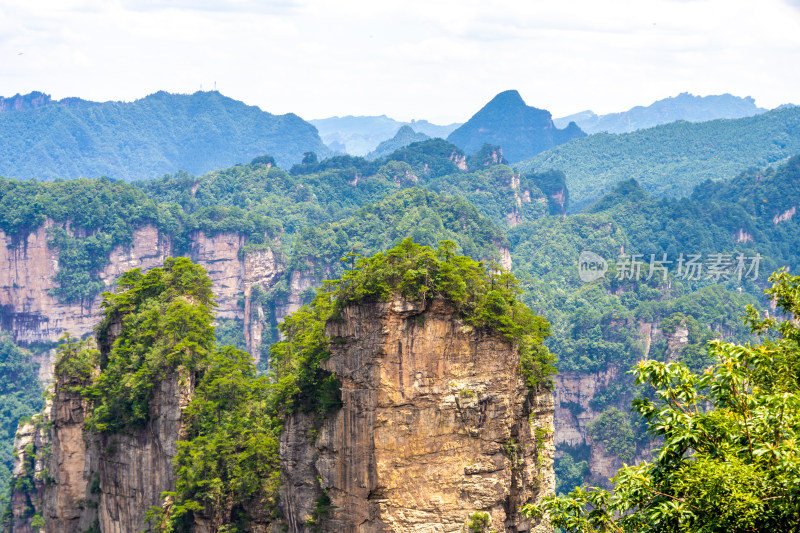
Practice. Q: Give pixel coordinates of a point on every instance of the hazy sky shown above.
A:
(438, 60)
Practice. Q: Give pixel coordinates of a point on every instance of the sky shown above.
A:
(409, 59)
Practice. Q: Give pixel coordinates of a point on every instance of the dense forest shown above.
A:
(20, 398)
(320, 211)
(727, 458)
(671, 159)
(161, 133)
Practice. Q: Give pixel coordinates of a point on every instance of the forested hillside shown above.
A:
(322, 211)
(161, 133)
(669, 160)
(20, 397)
(520, 130)
(404, 136)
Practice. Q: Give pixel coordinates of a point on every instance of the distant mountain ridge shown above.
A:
(671, 159)
(36, 99)
(161, 133)
(507, 121)
(404, 136)
(360, 135)
(685, 106)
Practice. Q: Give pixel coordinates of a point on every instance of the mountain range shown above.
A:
(521, 130)
(670, 159)
(272, 230)
(685, 106)
(360, 135)
(161, 133)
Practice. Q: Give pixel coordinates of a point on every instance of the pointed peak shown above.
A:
(508, 98)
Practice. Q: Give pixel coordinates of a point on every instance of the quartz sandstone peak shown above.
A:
(436, 424)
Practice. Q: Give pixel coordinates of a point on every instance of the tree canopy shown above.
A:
(729, 458)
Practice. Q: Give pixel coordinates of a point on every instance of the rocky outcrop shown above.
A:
(573, 411)
(575, 408)
(786, 215)
(34, 315)
(436, 424)
(79, 480)
(27, 267)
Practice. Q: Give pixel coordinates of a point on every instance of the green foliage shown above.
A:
(553, 185)
(404, 136)
(484, 298)
(20, 397)
(166, 330)
(729, 458)
(100, 214)
(613, 430)
(230, 332)
(234, 419)
(300, 382)
(430, 159)
(158, 327)
(416, 213)
(79, 262)
(685, 153)
(569, 473)
(322, 510)
(148, 137)
(229, 459)
(730, 218)
(491, 190)
(37, 522)
(76, 363)
(487, 156)
(479, 522)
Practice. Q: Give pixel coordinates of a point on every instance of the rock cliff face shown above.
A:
(436, 424)
(79, 480)
(33, 315)
(575, 409)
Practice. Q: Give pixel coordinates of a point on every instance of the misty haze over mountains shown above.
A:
(164, 133)
(358, 135)
(685, 106)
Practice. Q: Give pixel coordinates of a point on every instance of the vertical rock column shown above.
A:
(436, 424)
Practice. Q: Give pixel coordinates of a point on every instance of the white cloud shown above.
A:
(219, 6)
(409, 59)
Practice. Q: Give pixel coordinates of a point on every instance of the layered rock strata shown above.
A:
(34, 316)
(436, 424)
(79, 481)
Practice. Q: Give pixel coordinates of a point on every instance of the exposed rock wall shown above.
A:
(234, 275)
(81, 480)
(33, 315)
(574, 409)
(436, 424)
(135, 469)
(27, 267)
